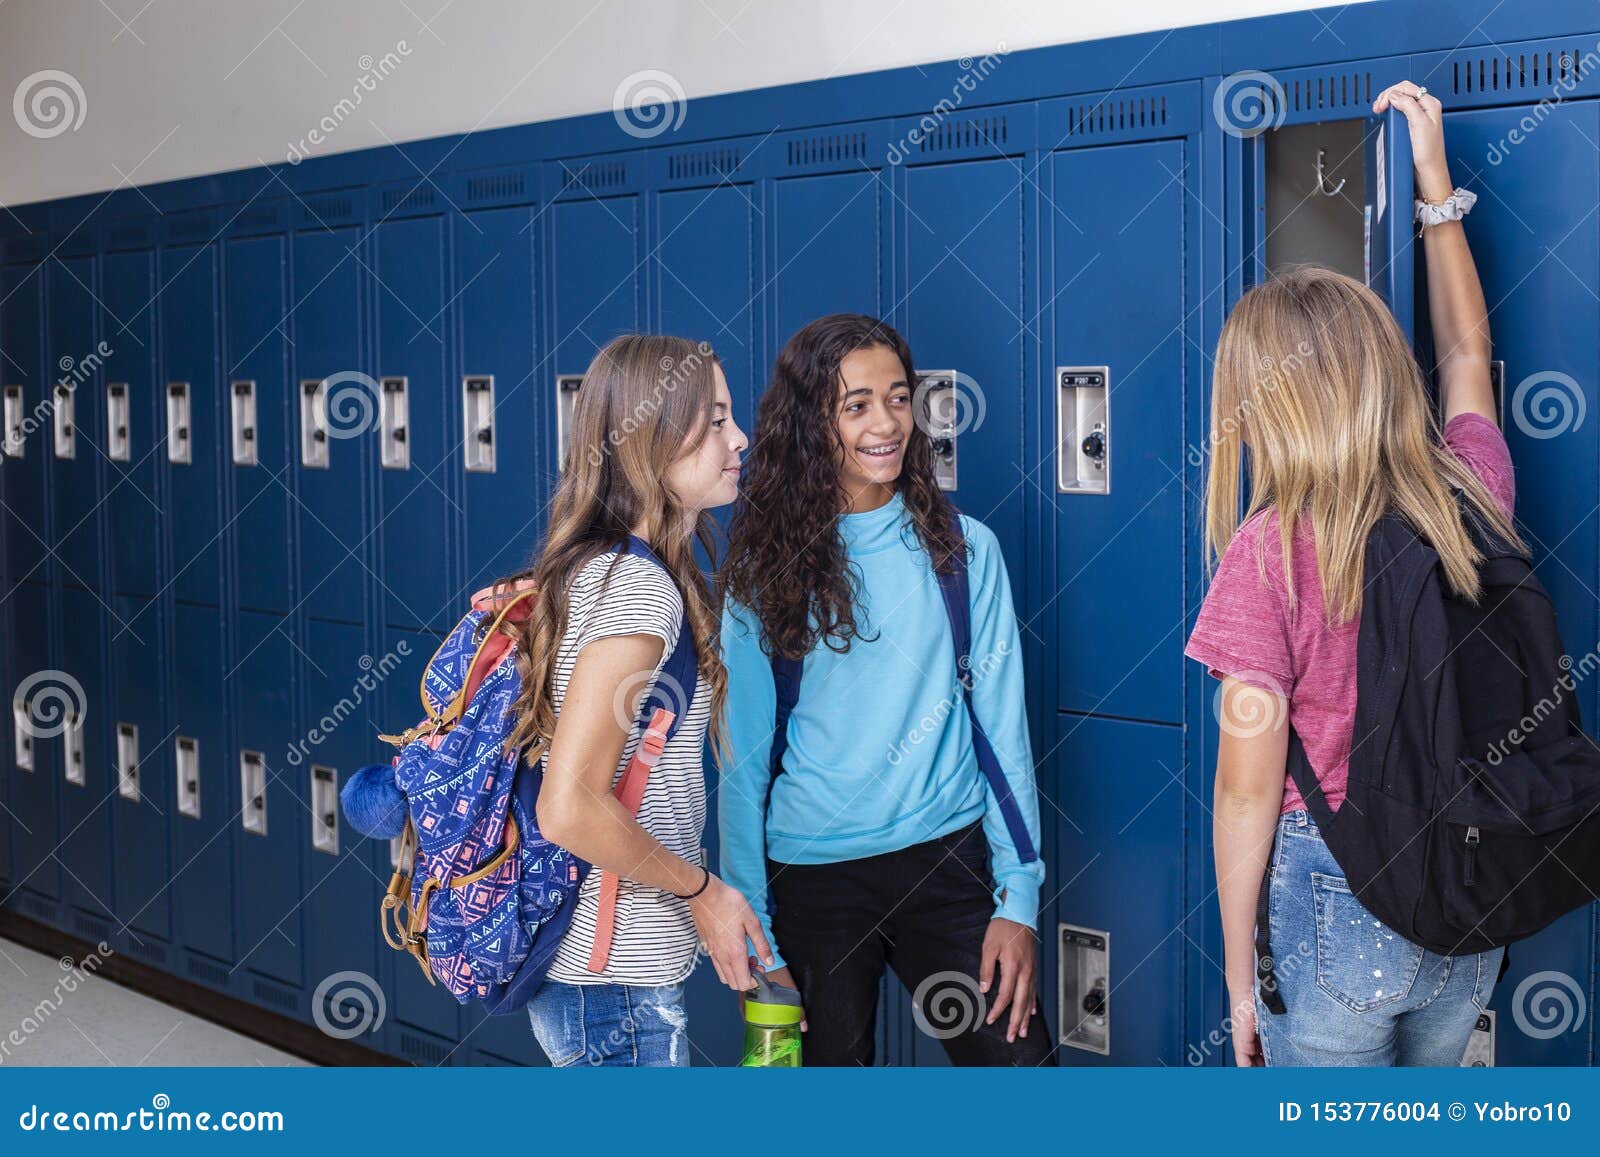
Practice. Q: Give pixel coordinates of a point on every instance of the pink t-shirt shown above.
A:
(1246, 630)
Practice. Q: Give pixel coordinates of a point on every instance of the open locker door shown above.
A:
(1390, 256)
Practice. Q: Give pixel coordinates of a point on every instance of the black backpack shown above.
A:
(1472, 817)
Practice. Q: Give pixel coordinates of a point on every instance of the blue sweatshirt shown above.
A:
(879, 752)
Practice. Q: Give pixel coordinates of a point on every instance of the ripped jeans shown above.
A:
(610, 1024)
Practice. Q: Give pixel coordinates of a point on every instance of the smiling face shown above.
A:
(708, 476)
(873, 422)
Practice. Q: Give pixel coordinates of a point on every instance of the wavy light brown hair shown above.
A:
(1314, 376)
(645, 402)
(786, 558)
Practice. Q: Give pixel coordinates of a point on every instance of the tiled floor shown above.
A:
(44, 1020)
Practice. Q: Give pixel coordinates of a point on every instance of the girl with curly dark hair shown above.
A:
(877, 801)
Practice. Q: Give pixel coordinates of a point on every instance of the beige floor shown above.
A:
(101, 1023)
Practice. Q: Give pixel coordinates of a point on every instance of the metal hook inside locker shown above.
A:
(1322, 178)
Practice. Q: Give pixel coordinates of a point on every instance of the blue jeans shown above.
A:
(1357, 992)
(610, 1024)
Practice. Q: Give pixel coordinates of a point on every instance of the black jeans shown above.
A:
(922, 911)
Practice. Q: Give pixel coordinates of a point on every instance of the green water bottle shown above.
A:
(772, 1015)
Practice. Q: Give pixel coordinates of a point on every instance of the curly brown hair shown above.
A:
(786, 559)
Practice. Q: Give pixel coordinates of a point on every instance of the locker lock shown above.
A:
(1094, 446)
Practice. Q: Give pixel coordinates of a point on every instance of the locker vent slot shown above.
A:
(128, 235)
(1117, 116)
(208, 972)
(1503, 72)
(322, 210)
(278, 997)
(263, 218)
(495, 187)
(119, 445)
(828, 149)
(704, 163)
(188, 228)
(420, 1048)
(91, 926)
(594, 176)
(1334, 90)
(149, 950)
(407, 200)
(971, 133)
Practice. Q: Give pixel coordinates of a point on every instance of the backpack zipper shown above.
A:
(1471, 873)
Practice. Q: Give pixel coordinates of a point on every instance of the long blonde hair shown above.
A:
(1314, 375)
(645, 402)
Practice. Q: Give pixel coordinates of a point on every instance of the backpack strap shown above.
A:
(956, 590)
(658, 722)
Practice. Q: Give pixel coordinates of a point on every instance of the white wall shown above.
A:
(174, 88)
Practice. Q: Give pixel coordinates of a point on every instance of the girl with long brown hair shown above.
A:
(876, 826)
(653, 446)
(1316, 383)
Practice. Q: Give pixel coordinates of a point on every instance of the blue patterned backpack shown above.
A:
(479, 898)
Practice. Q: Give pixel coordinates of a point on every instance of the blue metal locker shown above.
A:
(269, 824)
(194, 427)
(416, 470)
(1115, 270)
(73, 429)
(134, 404)
(335, 408)
(202, 811)
(597, 246)
(1537, 245)
(830, 205)
(88, 783)
(504, 487)
(256, 431)
(21, 327)
(343, 869)
(33, 792)
(425, 1021)
(144, 828)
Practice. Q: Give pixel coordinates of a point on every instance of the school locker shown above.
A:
(256, 433)
(416, 484)
(193, 427)
(26, 438)
(270, 825)
(1537, 246)
(73, 429)
(135, 413)
(597, 244)
(34, 789)
(203, 805)
(145, 823)
(830, 244)
(335, 412)
(344, 871)
(499, 392)
(87, 782)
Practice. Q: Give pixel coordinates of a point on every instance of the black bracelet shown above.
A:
(704, 884)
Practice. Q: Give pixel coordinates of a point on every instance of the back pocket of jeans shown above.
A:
(1361, 962)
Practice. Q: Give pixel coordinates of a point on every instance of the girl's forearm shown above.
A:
(601, 831)
(1243, 826)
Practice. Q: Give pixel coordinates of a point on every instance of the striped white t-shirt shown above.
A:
(655, 940)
